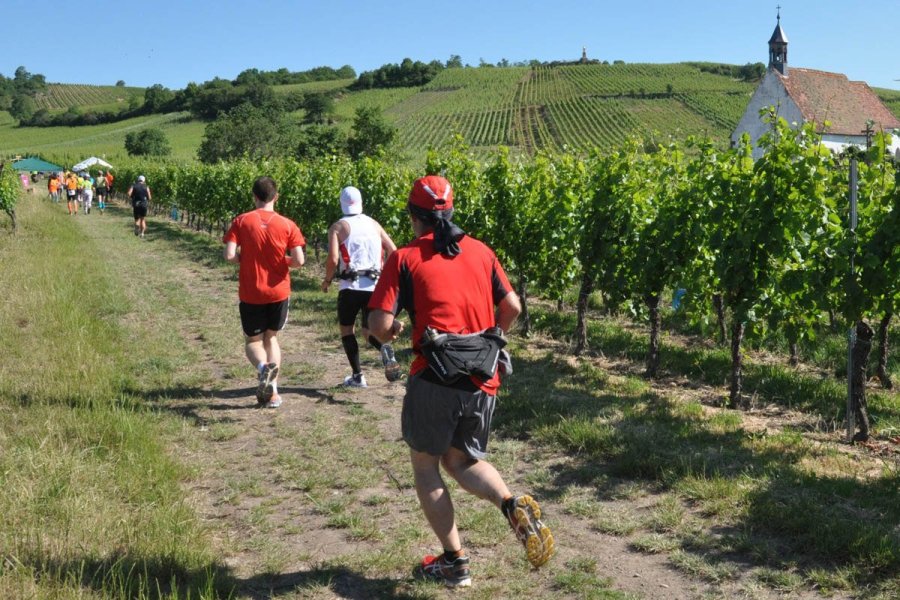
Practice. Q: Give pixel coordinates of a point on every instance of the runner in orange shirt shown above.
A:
(72, 193)
(265, 239)
(109, 181)
(53, 188)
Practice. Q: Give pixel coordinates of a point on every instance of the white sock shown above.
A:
(274, 388)
(260, 367)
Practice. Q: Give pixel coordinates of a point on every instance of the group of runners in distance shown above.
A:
(459, 302)
(80, 189)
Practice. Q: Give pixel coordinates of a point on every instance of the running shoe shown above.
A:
(357, 380)
(451, 573)
(524, 516)
(264, 389)
(392, 370)
(274, 401)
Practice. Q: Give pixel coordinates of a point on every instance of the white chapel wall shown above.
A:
(771, 92)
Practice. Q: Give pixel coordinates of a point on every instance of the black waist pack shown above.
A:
(451, 355)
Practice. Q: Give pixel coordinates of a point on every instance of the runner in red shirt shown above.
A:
(265, 239)
(451, 283)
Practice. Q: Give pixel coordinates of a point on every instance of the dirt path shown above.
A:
(314, 499)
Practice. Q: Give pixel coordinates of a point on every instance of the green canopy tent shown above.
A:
(36, 164)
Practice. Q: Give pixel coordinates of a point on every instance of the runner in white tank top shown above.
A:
(357, 248)
(360, 253)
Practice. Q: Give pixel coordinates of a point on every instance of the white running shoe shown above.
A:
(265, 389)
(357, 380)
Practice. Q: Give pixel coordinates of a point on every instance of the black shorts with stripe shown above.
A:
(256, 319)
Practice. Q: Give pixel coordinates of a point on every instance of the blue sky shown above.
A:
(175, 42)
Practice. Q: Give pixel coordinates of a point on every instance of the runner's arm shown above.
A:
(383, 325)
(331, 261)
(298, 258)
(387, 244)
(507, 311)
(231, 254)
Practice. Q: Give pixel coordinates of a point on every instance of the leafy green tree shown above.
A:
(248, 131)
(28, 84)
(22, 107)
(157, 98)
(248, 76)
(147, 142)
(217, 97)
(408, 73)
(454, 62)
(315, 141)
(318, 107)
(41, 118)
(120, 83)
(371, 132)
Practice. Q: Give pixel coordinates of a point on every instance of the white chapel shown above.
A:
(807, 95)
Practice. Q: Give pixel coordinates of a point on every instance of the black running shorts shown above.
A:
(140, 211)
(256, 319)
(350, 303)
(436, 416)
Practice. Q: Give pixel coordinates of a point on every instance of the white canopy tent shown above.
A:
(90, 162)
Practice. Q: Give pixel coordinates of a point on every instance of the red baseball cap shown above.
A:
(432, 193)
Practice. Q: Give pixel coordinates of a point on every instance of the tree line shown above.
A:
(204, 101)
(17, 92)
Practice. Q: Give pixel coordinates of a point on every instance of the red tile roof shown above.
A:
(824, 96)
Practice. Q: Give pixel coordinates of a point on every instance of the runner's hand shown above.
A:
(396, 328)
(325, 284)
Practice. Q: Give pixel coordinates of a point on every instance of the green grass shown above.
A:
(90, 495)
(69, 145)
(816, 506)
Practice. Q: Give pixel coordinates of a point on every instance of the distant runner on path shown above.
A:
(100, 185)
(140, 200)
(53, 187)
(357, 248)
(72, 193)
(87, 194)
(459, 301)
(265, 239)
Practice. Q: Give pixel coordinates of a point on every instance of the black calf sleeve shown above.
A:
(374, 342)
(351, 347)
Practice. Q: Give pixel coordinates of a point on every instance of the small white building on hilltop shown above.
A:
(806, 95)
